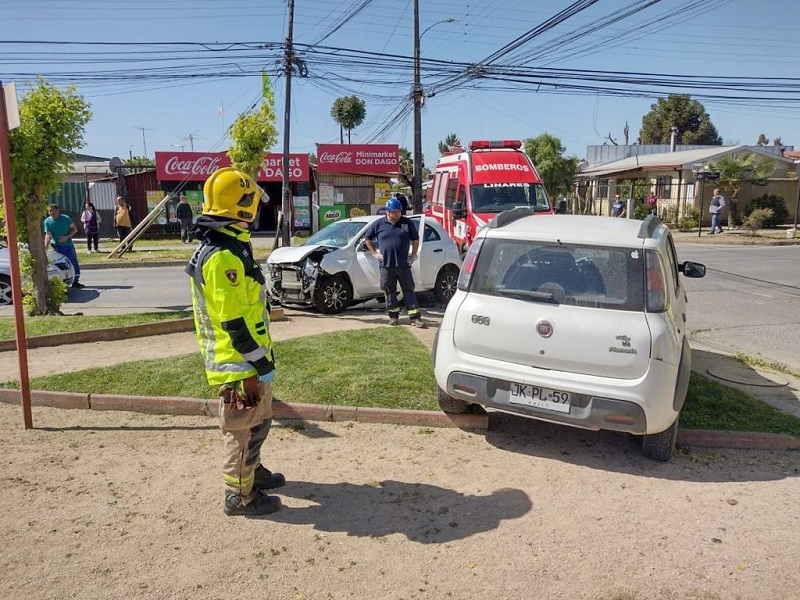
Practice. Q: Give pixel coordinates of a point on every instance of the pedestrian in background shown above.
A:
(123, 221)
(395, 235)
(403, 202)
(619, 209)
(652, 203)
(91, 226)
(715, 208)
(231, 317)
(185, 215)
(58, 232)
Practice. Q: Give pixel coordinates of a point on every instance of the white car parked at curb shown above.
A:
(578, 320)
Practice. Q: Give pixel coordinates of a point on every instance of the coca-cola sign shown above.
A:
(357, 158)
(197, 166)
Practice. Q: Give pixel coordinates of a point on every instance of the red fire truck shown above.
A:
(470, 187)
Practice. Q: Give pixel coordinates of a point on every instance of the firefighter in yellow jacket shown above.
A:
(231, 319)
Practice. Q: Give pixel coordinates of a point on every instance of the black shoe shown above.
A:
(261, 504)
(419, 324)
(267, 480)
(78, 285)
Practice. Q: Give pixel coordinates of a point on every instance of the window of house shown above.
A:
(664, 186)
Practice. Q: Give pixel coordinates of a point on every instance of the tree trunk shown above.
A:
(733, 213)
(341, 134)
(348, 136)
(33, 219)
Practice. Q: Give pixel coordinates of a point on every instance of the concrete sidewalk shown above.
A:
(776, 389)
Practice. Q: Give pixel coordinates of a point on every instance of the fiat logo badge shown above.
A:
(544, 328)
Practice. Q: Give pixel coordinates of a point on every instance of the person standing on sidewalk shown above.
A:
(395, 234)
(184, 213)
(91, 226)
(59, 231)
(123, 221)
(715, 208)
(231, 317)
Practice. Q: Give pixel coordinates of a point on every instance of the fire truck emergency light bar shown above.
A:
(490, 144)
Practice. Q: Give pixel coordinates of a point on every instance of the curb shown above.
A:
(284, 411)
(103, 335)
(288, 411)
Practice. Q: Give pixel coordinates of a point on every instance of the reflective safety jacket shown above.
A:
(231, 314)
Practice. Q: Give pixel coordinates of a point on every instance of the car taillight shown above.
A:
(656, 296)
(468, 266)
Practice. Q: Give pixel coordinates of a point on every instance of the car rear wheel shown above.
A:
(449, 404)
(333, 295)
(446, 283)
(5, 290)
(661, 446)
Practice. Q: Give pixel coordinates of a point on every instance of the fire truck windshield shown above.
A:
(498, 197)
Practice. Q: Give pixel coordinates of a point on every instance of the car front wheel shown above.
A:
(446, 283)
(5, 290)
(333, 295)
(660, 446)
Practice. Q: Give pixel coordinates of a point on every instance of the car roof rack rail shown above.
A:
(649, 225)
(509, 216)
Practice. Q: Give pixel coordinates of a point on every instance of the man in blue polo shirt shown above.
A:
(58, 231)
(395, 234)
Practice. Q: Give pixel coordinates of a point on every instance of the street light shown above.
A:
(417, 98)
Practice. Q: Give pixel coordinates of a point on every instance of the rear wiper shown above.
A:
(529, 295)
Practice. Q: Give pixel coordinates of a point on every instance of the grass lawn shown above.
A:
(57, 324)
(382, 367)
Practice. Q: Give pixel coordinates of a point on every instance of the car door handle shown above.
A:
(439, 250)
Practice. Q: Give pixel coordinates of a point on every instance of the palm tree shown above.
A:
(349, 112)
(405, 167)
(735, 170)
(449, 142)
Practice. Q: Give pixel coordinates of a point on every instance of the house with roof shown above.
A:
(677, 175)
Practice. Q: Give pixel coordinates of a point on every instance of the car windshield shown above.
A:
(336, 234)
(573, 274)
(497, 197)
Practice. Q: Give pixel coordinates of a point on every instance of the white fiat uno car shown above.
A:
(578, 320)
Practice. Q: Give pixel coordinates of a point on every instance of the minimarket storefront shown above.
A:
(185, 172)
(352, 180)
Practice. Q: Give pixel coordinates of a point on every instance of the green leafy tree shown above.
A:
(139, 163)
(52, 123)
(556, 170)
(735, 170)
(349, 112)
(450, 141)
(252, 134)
(678, 110)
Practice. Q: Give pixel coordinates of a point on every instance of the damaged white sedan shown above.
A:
(333, 268)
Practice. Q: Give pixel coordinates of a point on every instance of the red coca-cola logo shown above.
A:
(336, 158)
(204, 165)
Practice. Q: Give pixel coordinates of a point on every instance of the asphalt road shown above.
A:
(749, 300)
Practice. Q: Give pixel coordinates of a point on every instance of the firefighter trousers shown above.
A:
(243, 434)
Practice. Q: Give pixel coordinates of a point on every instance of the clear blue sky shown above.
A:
(144, 95)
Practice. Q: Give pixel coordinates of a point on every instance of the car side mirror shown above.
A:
(692, 269)
(459, 211)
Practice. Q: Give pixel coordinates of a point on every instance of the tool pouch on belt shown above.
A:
(242, 394)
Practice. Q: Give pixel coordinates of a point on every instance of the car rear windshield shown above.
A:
(578, 275)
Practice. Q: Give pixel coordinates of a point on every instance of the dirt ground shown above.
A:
(124, 505)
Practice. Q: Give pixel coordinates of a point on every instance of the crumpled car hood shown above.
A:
(291, 255)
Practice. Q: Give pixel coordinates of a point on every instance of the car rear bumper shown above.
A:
(586, 412)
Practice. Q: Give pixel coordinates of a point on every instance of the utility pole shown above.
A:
(416, 97)
(144, 141)
(286, 204)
